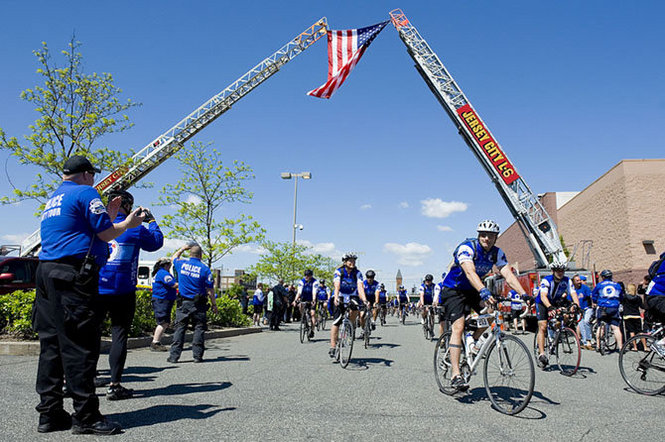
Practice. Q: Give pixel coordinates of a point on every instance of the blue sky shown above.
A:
(568, 88)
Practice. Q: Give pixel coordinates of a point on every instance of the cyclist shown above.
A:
(584, 296)
(655, 300)
(463, 289)
(439, 302)
(554, 292)
(403, 300)
(516, 307)
(607, 296)
(349, 292)
(307, 287)
(380, 301)
(371, 286)
(426, 292)
(322, 295)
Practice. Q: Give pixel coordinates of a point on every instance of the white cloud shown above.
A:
(323, 248)
(444, 228)
(193, 199)
(250, 248)
(14, 238)
(403, 205)
(409, 254)
(436, 208)
(365, 206)
(171, 244)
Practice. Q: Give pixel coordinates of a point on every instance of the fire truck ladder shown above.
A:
(538, 227)
(162, 147)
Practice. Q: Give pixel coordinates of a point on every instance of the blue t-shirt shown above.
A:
(555, 290)
(403, 296)
(607, 294)
(322, 293)
(382, 297)
(471, 250)
(306, 289)
(72, 217)
(370, 289)
(348, 281)
(120, 273)
(584, 296)
(428, 292)
(163, 285)
(194, 277)
(515, 299)
(657, 285)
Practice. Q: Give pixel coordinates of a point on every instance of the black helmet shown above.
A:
(127, 199)
(308, 272)
(429, 278)
(322, 282)
(370, 274)
(606, 274)
(382, 286)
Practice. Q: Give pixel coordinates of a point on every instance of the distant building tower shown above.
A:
(398, 279)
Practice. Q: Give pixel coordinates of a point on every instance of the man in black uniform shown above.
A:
(75, 227)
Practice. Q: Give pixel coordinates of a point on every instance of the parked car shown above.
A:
(17, 273)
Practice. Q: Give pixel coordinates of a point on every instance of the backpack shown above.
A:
(474, 242)
(653, 268)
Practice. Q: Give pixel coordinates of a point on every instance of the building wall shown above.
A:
(617, 212)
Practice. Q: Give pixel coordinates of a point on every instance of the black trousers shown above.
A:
(195, 311)
(121, 309)
(65, 316)
(276, 315)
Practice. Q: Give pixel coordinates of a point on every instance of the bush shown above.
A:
(230, 313)
(16, 314)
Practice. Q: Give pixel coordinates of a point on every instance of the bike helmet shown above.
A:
(429, 278)
(488, 226)
(127, 199)
(308, 272)
(558, 265)
(401, 287)
(370, 274)
(322, 282)
(606, 274)
(349, 255)
(382, 286)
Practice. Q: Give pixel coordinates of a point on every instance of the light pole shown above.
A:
(288, 176)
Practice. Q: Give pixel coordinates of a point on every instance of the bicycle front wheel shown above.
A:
(303, 330)
(509, 375)
(367, 330)
(442, 365)
(611, 341)
(568, 352)
(642, 369)
(322, 320)
(345, 343)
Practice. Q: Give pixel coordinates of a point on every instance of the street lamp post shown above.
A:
(288, 176)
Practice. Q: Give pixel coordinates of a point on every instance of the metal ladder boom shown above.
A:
(539, 228)
(162, 147)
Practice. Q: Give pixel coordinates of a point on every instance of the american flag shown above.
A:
(344, 51)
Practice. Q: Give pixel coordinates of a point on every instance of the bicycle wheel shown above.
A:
(509, 375)
(430, 323)
(610, 342)
(303, 331)
(602, 342)
(345, 343)
(642, 370)
(310, 327)
(322, 320)
(367, 330)
(318, 316)
(536, 352)
(568, 352)
(442, 365)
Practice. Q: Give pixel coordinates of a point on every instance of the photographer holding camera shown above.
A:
(117, 285)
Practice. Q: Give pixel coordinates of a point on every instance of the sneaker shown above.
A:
(172, 360)
(543, 361)
(458, 383)
(102, 427)
(57, 421)
(331, 352)
(422, 321)
(373, 325)
(658, 348)
(311, 335)
(157, 346)
(118, 393)
(198, 360)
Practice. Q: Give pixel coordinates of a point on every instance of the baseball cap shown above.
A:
(583, 278)
(79, 163)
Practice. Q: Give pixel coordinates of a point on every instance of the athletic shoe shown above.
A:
(198, 360)
(157, 346)
(373, 325)
(172, 360)
(118, 393)
(102, 427)
(458, 383)
(331, 352)
(543, 361)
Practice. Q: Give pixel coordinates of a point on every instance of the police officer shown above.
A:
(75, 227)
(117, 285)
(194, 282)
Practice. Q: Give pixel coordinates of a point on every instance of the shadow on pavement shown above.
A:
(366, 362)
(221, 359)
(180, 389)
(165, 413)
(479, 394)
(387, 345)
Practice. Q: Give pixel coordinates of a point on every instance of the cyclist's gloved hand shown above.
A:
(551, 312)
(485, 294)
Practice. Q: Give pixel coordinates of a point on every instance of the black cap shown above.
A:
(77, 164)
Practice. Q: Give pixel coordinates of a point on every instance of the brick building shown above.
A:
(617, 222)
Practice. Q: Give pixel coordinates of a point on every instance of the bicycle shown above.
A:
(428, 326)
(321, 316)
(643, 370)
(607, 342)
(508, 373)
(367, 329)
(562, 342)
(306, 327)
(403, 314)
(382, 315)
(345, 338)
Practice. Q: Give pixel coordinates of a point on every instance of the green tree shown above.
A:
(75, 109)
(205, 187)
(283, 260)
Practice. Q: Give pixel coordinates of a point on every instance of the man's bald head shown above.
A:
(196, 251)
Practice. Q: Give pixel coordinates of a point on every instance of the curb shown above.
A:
(31, 348)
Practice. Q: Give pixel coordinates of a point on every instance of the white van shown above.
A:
(145, 274)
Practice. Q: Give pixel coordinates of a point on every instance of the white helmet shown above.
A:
(349, 255)
(558, 265)
(488, 226)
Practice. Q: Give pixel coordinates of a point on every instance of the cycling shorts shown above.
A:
(383, 303)
(541, 310)
(656, 308)
(459, 303)
(353, 305)
(609, 315)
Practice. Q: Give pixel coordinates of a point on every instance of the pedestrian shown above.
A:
(257, 303)
(632, 320)
(288, 309)
(243, 297)
(279, 293)
(117, 286)
(164, 292)
(194, 283)
(586, 310)
(75, 227)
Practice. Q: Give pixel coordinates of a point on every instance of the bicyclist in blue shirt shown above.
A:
(322, 295)
(371, 286)
(555, 289)
(380, 301)
(307, 288)
(463, 288)
(403, 301)
(349, 293)
(607, 295)
(655, 300)
(426, 292)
